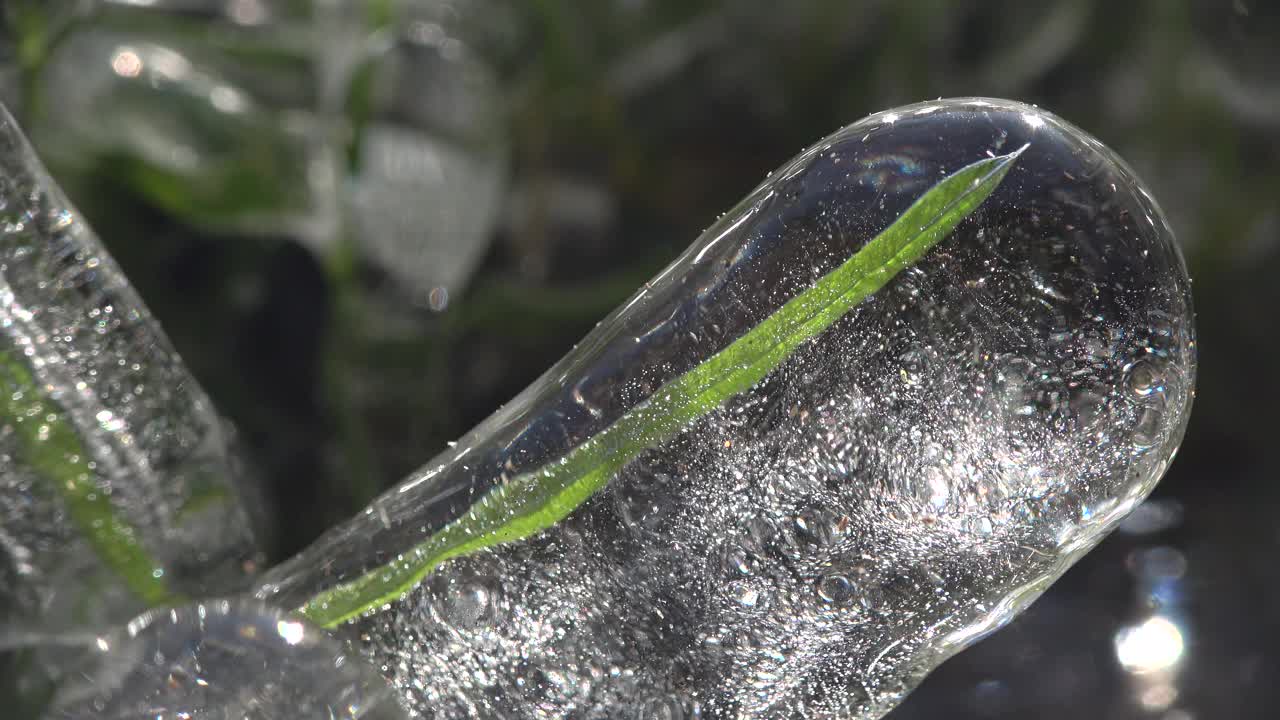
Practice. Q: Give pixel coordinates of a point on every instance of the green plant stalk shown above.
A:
(535, 501)
(49, 444)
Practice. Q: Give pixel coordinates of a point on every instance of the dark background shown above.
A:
(627, 127)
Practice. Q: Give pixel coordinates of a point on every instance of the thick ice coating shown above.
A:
(118, 485)
(221, 660)
(826, 510)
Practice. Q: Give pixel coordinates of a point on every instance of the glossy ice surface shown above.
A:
(118, 485)
(900, 485)
(221, 660)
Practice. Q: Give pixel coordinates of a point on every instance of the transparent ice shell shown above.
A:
(901, 485)
(221, 660)
(119, 488)
(430, 159)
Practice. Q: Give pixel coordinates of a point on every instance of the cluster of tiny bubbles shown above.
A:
(222, 660)
(899, 486)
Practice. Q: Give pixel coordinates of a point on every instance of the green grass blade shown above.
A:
(535, 501)
(50, 446)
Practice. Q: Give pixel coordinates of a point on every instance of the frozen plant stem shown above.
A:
(537, 500)
(810, 458)
(118, 482)
(54, 450)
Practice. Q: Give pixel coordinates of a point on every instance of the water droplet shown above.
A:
(819, 528)
(1144, 378)
(1149, 423)
(981, 526)
(836, 590)
(739, 562)
(471, 602)
(748, 596)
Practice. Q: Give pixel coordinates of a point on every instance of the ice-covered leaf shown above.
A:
(118, 486)
(861, 422)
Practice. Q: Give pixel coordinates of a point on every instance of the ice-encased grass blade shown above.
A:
(535, 501)
(119, 489)
(52, 447)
